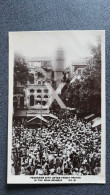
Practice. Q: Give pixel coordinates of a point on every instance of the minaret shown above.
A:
(59, 70)
(60, 60)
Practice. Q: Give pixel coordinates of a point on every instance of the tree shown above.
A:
(90, 91)
(21, 74)
(85, 94)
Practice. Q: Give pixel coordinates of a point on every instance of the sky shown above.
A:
(76, 44)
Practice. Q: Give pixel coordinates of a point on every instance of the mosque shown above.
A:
(33, 105)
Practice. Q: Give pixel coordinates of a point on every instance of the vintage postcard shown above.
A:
(56, 113)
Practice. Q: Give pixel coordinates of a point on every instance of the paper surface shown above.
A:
(56, 121)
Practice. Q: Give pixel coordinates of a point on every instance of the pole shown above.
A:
(41, 109)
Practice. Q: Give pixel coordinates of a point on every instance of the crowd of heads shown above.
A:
(68, 146)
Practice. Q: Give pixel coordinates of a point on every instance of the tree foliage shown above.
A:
(21, 74)
(85, 94)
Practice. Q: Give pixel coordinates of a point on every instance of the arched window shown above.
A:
(45, 96)
(46, 90)
(31, 90)
(39, 96)
(31, 100)
(31, 78)
(39, 91)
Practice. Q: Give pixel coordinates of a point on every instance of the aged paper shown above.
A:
(56, 113)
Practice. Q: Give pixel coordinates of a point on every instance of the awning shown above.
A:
(50, 115)
(38, 116)
(39, 106)
(96, 122)
(89, 116)
(20, 113)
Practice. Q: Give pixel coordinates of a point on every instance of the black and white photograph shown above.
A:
(56, 107)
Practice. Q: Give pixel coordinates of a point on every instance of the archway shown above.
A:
(22, 102)
(31, 78)
(15, 102)
(31, 100)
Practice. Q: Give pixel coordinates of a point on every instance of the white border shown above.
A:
(19, 179)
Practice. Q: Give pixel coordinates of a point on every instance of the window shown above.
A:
(46, 90)
(39, 82)
(31, 78)
(38, 96)
(79, 71)
(31, 90)
(45, 96)
(15, 99)
(39, 91)
(44, 103)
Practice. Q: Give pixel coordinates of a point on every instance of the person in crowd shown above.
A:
(68, 146)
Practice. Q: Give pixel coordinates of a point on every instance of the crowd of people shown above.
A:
(69, 146)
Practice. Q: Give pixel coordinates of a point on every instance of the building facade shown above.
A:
(37, 95)
(77, 70)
